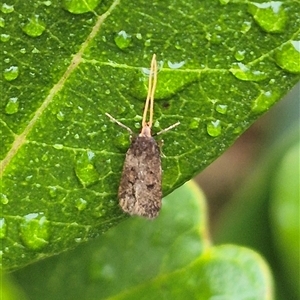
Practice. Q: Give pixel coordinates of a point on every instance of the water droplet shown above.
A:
(246, 27)
(270, 16)
(4, 199)
(107, 92)
(35, 27)
(288, 57)
(12, 106)
(221, 108)
(35, 50)
(214, 128)
(2, 22)
(137, 118)
(214, 38)
(104, 127)
(28, 178)
(80, 204)
(58, 146)
(123, 39)
(47, 3)
(224, 2)
(239, 55)
(34, 229)
(80, 6)
(11, 73)
(194, 124)
(53, 191)
(76, 136)
(60, 116)
(147, 43)
(2, 228)
(23, 50)
(4, 37)
(7, 9)
(85, 170)
(139, 36)
(246, 73)
(45, 157)
(168, 85)
(263, 102)
(175, 65)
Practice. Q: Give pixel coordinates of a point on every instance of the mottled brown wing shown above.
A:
(140, 187)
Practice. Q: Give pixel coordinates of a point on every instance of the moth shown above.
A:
(140, 191)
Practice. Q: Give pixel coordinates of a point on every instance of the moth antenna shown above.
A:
(150, 94)
(154, 74)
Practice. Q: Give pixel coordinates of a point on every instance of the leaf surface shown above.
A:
(170, 258)
(66, 63)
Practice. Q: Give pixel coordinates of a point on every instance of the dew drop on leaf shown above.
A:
(80, 204)
(247, 73)
(270, 16)
(224, 2)
(35, 231)
(139, 36)
(3, 228)
(60, 116)
(85, 169)
(34, 27)
(45, 157)
(239, 55)
(12, 106)
(288, 57)
(53, 191)
(194, 124)
(104, 128)
(246, 27)
(221, 108)
(11, 73)
(264, 101)
(4, 37)
(23, 50)
(58, 146)
(4, 199)
(175, 65)
(2, 23)
(147, 43)
(80, 6)
(7, 9)
(122, 39)
(169, 83)
(214, 128)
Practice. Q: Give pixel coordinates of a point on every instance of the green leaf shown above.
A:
(285, 216)
(170, 258)
(264, 213)
(65, 65)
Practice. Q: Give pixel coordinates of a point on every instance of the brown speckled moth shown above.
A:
(140, 190)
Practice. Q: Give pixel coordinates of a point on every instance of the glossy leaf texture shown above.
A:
(66, 63)
(170, 258)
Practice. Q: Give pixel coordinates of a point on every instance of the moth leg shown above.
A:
(119, 123)
(160, 144)
(168, 128)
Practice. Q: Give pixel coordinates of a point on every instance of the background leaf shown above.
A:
(264, 213)
(65, 65)
(167, 258)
